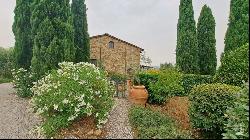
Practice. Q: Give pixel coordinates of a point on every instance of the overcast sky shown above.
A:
(149, 24)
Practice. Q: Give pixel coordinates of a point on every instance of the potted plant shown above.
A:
(138, 93)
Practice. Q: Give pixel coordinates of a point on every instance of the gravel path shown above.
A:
(118, 125)
(16, 119)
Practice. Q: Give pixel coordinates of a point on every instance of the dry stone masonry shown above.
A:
(121, 58)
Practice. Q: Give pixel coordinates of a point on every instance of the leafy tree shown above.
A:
(234, 69)
(6, 62)
(145, 60)
(187, 51)
(52, 33)
(206, 42)
(166, 65)
(237, 33)
(81, 36)
(22, 31)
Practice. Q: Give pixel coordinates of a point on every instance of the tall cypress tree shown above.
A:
(206, 42)
(52, 32)
(81, 36)
(186, 50)
(238, 28)
(22, 31)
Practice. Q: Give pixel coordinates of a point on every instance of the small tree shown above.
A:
(238, 28)
(187, 51)
(6, 62)
(206, 42)
(166, 66)
(81, 35)
(52, 35)
(22, 31)
(145, 60)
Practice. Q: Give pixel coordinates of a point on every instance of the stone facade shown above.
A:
(119, 58)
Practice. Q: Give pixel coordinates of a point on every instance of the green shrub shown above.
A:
(169, 84)
(22, 79)
(234, 67)
(4, 80)
(237, 126)
(208, 105)
(147, 78)
(155, 125)
(6, 63)
(190, 80)
(71, 92)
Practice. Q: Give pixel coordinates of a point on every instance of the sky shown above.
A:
(149, 24)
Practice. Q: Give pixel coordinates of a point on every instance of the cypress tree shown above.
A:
(81, 36)
(237, 33)
(22, 31)
(186, 50)
(206, 42)
(52, 33)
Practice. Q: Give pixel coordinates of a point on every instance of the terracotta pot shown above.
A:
(138, 95)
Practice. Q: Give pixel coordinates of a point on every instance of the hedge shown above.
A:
(234, 69)
(190, 80)
(169, 84)
(147, 78)
(187, 81)
(209, 103)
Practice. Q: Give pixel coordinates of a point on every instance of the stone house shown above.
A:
(115, 55)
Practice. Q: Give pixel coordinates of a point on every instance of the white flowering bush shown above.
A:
(22, 79)
(71, 92)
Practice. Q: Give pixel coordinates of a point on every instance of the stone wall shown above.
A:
(117, 58)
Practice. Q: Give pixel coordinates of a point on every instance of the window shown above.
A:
(111, 45)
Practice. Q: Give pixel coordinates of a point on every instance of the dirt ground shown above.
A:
(82, 129)
(177, 108)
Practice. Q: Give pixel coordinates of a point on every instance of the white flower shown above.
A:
(103, 121)
(46, 108)
(88, 105)
(97, 92)
(39, 111)
(65, 101)
(82, 82)
(76, 77)
(81, 104)
(71, 118)
(89, 113)
(77, 109)
(55, 107)
(99, 126)
(59, 71)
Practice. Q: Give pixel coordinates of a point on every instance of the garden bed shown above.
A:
(152, 123)
(177, 108)
(82, 129)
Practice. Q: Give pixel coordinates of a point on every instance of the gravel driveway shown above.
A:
(16, 120)
(118, 126)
